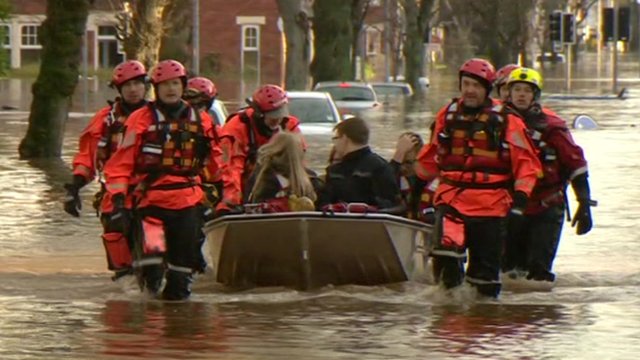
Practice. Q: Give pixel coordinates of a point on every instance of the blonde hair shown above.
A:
(284, 155)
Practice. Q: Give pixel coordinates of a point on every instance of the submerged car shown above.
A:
(392, 89)
(316, 111)
(350, 96)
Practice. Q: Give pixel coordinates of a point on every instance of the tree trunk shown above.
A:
(145, 31)
(417, 20)
(297, 29)
(333, 38)
(61, 38)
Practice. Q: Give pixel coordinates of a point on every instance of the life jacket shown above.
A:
(173, 146)
(474, 144)
(550, 189)
(112, 131)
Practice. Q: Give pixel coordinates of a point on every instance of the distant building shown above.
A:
(22, 28)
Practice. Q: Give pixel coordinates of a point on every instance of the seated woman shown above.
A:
(280, 181)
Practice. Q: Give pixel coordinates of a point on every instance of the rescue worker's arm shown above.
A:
(234, 156)
(84, 167)
(525, 164)
(120, 168)
(570, 155)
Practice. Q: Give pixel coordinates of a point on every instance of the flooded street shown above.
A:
(58, 302)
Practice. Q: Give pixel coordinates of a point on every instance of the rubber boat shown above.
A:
(307, 250)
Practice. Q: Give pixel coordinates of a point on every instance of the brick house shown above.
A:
(21, 33)
(242, 40)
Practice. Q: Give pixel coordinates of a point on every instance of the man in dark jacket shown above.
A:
(361, 176)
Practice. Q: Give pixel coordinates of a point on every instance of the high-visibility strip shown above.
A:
(477, 281)
(449, 253)
(84, 170)
(181, 269)
(578, 171)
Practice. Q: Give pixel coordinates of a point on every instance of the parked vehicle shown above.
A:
(316, 111)
(218, 112)
(350, 96)
(392, 89)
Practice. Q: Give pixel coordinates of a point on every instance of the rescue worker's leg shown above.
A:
(149, 245)
(183, 241)
(117, 247)
(544, 237)
(514, 262)
(449, 250)
(485, 239)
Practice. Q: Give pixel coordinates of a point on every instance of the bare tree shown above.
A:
(417, 16)
(61, 38)
(297, 28)
(142, 29)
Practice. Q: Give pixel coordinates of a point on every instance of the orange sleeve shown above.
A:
(212, 169)
(119, 170)
(525, 163)
(84, 163)
(426, 166)
(233, 145)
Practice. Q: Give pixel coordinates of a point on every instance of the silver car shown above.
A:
(315, 110)
(350, 96)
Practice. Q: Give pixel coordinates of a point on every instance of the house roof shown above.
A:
(33, 7)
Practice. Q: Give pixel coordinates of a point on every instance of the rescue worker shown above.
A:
(243, 134)
(98, 142)
(531, 248)
(200, 93)
(502, 75)
(360, 176)
(280, 181)
(487, 168)
(166, 148)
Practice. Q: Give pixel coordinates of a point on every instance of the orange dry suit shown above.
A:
(242, 135)
(480, 156)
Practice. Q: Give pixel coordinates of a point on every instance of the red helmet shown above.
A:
(168, 70)
(269, 97)
(126, 71)
(479, 69)
(503, 74)
(203, 85)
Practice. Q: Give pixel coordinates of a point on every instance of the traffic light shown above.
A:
(623, 23)
(568, 28)
(555, 26)
(607, 24)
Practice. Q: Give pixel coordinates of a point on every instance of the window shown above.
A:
(250, 38)
(5, 31)
(30, 36)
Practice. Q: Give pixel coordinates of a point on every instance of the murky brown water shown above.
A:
(57, 302)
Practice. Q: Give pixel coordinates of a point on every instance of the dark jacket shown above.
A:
(361, 176)
(411, 195)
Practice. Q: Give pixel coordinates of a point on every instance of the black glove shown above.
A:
(582, 216)
(120, 217)
(72, 201)
(515, 217)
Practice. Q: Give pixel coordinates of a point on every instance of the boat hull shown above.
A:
(308, 250)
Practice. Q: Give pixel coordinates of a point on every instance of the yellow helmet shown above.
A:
(526, 75)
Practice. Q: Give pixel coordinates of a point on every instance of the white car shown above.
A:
(316, 111)
(350, 96)
(218, 112)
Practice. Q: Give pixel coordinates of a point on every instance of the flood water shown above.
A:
(57, 301)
